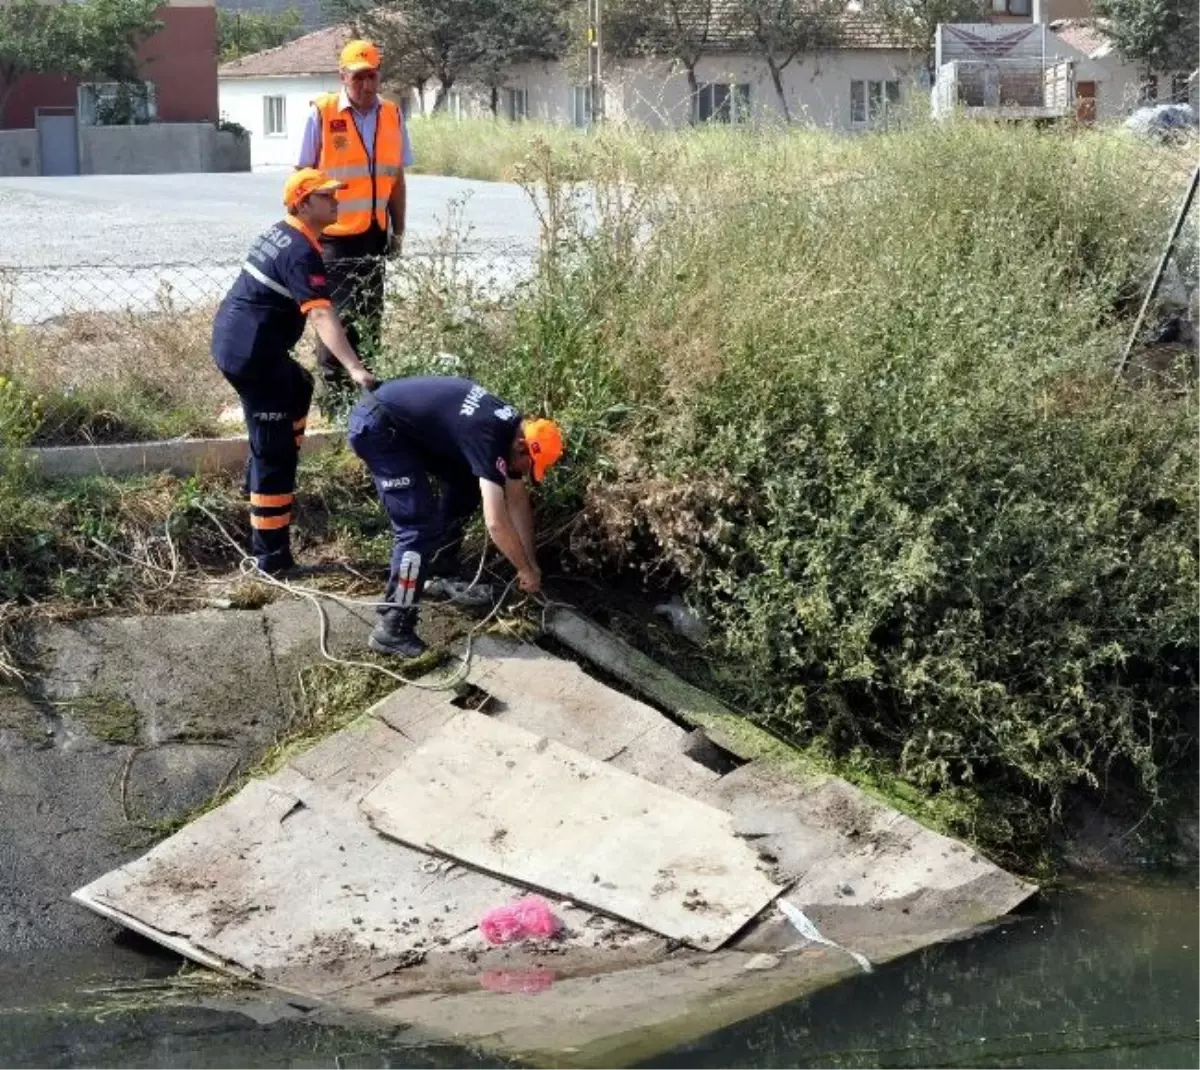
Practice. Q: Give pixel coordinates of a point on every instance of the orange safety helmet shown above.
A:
(544, 440)
(359, 56)
(301, 184)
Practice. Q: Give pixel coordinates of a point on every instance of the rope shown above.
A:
(248, 566)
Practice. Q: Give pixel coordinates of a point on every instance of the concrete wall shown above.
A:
(159, 148)
(655, 92)
(241, 101)
(19, 152)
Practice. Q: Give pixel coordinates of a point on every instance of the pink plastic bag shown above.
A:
(526, 919)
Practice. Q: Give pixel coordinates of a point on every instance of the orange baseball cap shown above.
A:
(359, 56)
(544, 439)
(305, 182)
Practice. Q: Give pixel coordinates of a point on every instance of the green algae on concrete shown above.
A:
(107, 716)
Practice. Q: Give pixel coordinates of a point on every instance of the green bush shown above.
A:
(867, 418)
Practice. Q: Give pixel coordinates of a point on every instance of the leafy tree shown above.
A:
(28, 42)
(915, 22)
(456, 41)
(241, 33)
(95, 40)
(782, 30)
(1162, 34)
(685, 30)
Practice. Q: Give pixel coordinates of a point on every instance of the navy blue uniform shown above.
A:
(409, 430)
(259, 322)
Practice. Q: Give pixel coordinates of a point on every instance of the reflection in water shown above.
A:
(1104, 975)
(1099, 976)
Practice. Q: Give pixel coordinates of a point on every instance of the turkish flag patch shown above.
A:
(337, 125)
(317, 282)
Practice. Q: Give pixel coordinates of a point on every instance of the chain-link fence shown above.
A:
(114, 351)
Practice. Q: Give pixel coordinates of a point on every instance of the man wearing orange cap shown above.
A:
(478, 449)
(281, 286)
(360, 139)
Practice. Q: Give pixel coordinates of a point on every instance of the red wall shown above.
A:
(181, 61)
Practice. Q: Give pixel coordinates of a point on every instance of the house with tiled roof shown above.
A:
(269, 92)
(851, 85)
(854, 83)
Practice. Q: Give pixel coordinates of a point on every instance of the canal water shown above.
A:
(1099, 974)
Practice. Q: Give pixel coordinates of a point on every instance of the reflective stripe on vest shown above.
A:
(369, 172)
(267, 281)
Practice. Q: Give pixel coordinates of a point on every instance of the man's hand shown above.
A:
(395, 245)
(530, 580)
(364, 378)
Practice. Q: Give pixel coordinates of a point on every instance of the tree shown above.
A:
(531, 30)
(915, 22)
(28, 32)
(1162, 34)
(241, 33)
(782, 30)
(456, 41)
(95, 40)
(685, 30)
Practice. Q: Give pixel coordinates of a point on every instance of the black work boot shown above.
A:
(396, 634)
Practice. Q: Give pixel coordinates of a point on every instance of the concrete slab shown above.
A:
(523, 806)
(288, 881)
(185, 457)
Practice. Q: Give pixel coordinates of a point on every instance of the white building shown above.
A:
(848, 87)
(270, 93)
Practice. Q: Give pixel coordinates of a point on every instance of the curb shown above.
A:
(184, 457)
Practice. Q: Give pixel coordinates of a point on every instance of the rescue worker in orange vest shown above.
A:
(360, 139)
(281, 286)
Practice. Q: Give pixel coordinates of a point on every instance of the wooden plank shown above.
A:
(522, 806)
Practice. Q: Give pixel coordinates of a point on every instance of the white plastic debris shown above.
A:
(685, 621)
(804, 926)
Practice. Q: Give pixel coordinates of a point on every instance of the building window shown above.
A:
(721, 102)
(275, 116)
(1148, 89)
(581, 106)
(871, 101)
(517, 104)
(1012, 7)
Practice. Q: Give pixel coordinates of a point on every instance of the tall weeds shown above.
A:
(860, 405)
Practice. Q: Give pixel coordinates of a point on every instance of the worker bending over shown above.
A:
(414, 432)
(281, 285)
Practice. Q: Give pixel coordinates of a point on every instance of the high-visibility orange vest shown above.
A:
(369, 177)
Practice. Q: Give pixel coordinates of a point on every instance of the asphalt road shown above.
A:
(105, 242)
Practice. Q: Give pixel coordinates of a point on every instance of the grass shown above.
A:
(855, 397)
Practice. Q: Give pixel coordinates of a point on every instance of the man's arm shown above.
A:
(397, 206)
(310, 144)
(520, 511)
(329, 330)
(503, 532)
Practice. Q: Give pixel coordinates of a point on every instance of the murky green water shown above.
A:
(1100, 976)
(1103, 975)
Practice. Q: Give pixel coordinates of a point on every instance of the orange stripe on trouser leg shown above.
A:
(270, 523)
(271, 501)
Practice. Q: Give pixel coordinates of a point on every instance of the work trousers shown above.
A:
(275, 401)
(354, 267)
(428, 514)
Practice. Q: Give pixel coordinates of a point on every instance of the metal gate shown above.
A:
(58, 141)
